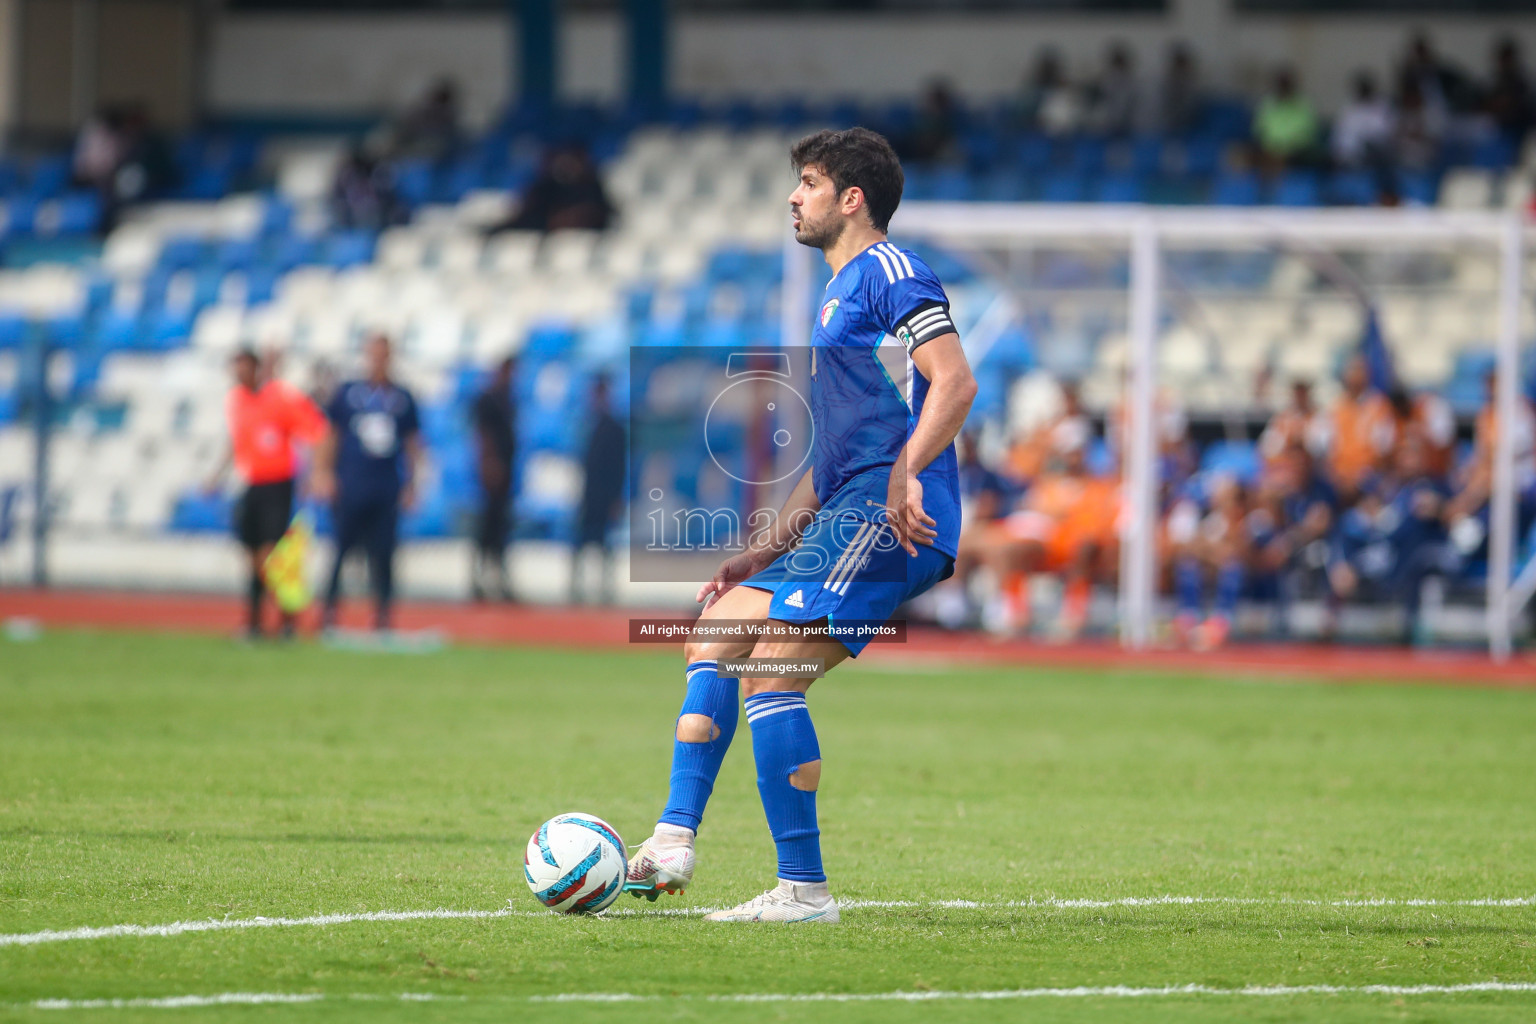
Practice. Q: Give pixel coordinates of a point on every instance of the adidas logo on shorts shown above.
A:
(795, 600)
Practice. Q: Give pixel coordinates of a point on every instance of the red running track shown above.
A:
(537, 625)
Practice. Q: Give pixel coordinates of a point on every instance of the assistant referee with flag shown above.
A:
(267, 418)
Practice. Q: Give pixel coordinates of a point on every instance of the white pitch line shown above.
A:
(118, 931)
(1080, 992)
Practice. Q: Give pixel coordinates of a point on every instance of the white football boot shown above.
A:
(787, 902)
(664, 863)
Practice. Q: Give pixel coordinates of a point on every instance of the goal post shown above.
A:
(1145, 234)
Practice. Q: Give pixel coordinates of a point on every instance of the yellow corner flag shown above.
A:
(284, 568)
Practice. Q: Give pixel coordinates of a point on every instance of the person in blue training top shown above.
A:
(367, 469)
(874, 522)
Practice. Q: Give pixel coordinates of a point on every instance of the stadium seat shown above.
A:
(1297, 189)
(1352, 188)
(1236, 190)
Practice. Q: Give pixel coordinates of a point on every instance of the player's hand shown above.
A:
(408, 495)
(731, 572)
(904, 511)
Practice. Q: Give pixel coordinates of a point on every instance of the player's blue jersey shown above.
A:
(860, 415)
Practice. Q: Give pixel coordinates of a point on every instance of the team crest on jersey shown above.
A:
(827, 311)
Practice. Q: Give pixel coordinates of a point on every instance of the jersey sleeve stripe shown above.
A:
(904, 261)
(890, 275)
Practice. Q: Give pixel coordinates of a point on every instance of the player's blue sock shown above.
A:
(1188, 582)
(783, 739)
(1229, 587)
(695, 765)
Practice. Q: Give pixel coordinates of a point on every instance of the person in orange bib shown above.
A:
(267, 418)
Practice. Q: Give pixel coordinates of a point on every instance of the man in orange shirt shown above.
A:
(267, 418)
(1361, 429)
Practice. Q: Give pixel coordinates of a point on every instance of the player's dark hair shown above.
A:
(246, 355)
(856, 158)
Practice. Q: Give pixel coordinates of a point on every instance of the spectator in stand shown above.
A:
(145, 168)
(1067, 523)
(1393, 538)
(1116, 95)
(1359, 430)
(495, 422)
(567, 194)
(1467, 514)
(99, 151)
(1210, 545)
(1445, 89)
(1285, 126)
(602, 491)
(1033, 450)
(1297, 425)
(938, 122)
(267, 419)
(1364, 129)
(364, 194)
(1509, 101)
(1178, 100)
(1294, 515)
(1050, 104)
(1427, 421)
(367, 468)
(1419, 129)
(430, 130)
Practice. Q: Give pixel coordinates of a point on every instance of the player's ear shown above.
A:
(852, 200)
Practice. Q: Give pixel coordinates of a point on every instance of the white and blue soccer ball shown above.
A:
(575, 864)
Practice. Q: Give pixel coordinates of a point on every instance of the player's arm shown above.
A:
(415, 459)
(322, 477)
(951, 389)
(764, 546)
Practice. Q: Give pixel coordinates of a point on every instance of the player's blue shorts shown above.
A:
(850, 570)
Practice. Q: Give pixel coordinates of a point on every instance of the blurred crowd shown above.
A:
(1371, 498)
(1403, 123)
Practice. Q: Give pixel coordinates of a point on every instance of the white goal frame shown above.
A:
(1143, 230)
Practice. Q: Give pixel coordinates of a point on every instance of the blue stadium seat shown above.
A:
(1062, 187)
(413, 181)
(1121, 188)
(13, 332)
(1004, 185)
(195, 512)
(1353, 188)
(1494, 153)
(79, 213)
(1035, 152)
(1297, 189)
(1236, 190)
(1418, 187)
(1239, 459)
(1202, 157)
(1088, 155)
(49, 177)
(182, 252)
(350, 248)
(951, 184)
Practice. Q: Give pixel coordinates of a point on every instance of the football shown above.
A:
(575, 864)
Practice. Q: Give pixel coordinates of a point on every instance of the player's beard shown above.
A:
(820, 235)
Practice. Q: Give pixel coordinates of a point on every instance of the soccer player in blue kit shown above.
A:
(873, 523)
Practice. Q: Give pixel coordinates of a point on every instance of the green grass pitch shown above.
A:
(154, 779)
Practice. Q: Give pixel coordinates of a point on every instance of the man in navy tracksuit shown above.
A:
(367, 468)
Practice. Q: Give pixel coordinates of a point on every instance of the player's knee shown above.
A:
(806, 777)
(694, 651)
(697, 729)
(751, 686)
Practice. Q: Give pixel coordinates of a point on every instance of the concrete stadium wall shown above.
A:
(334, 64)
